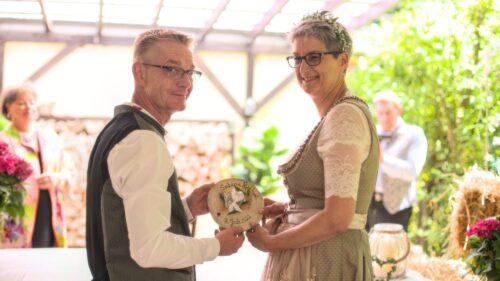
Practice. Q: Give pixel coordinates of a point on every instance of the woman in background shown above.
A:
(43, 222)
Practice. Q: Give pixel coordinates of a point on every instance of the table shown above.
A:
(56, 264)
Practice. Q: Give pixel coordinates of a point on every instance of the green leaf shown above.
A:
(255, 165)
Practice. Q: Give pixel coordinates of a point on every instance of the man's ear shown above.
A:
(138, 72)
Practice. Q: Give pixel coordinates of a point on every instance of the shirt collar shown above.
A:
(138, 107)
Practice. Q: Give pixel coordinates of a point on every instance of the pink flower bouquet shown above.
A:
(484, 241)
(13, 171)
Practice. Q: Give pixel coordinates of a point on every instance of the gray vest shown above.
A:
(395, 189)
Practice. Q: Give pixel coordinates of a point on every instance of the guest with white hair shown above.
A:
(402, 157)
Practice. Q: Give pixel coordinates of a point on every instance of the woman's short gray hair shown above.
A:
(323, 26)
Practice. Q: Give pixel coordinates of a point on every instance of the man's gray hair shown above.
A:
(388, 96)
(147, 39)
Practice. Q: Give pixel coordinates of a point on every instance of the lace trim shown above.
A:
(344, 182)
(347, 126)
(343, 144)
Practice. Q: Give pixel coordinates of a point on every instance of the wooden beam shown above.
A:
(2, 63)
(47, 23)
(209, 25)
(23, 36)
(159, 7)
(218, 85)
(100, 21)
(68, 49)
(330, 5)
(30, 24)
(249, 107)
(266, 19)
(371, 13)
(274, 92)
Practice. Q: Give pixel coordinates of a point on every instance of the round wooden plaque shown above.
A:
(235, 202)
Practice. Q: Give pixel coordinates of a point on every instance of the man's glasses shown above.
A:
(312, 59)
(177, 72)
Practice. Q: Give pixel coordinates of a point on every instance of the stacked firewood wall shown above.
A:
(201, 151)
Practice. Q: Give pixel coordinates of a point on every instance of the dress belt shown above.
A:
(298, 216)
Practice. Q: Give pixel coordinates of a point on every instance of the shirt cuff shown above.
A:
(190, 217)
(213, 248)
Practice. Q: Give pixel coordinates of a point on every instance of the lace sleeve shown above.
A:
(343, 144)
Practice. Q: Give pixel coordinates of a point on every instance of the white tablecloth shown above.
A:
(71, 265)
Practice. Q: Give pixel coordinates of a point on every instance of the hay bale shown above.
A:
(478, 197)
(438, 268)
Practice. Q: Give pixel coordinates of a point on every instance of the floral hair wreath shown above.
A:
(340, 31)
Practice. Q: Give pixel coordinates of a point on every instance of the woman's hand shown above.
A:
(260, 238)
(272, 208)
(46, 182)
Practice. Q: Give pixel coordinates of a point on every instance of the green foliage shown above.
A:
(441, 57)
(482, 257)
(381, 263)
(11, 196)
(254, 158)
(3, 122)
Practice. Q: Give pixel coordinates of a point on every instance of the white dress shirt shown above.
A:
(140, 167)
(412, 138)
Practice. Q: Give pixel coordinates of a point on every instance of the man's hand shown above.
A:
(197, 200)
(272, 208)
(260, 238)
(230, 240)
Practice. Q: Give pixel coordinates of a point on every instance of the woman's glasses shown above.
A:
(312, 59)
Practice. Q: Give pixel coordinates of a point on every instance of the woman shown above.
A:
(330, 179)
(43, 224)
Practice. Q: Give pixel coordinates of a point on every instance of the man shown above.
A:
(137, 224)
(402, 157)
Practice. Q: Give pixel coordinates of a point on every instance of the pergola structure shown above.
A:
(252, 26)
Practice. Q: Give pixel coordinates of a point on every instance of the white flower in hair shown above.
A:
(345, 42)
